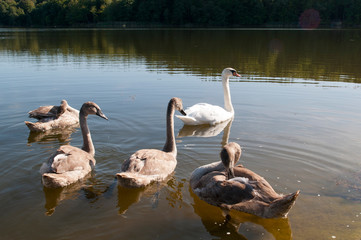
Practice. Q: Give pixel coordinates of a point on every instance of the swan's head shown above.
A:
(230, 154)
(229, 72)
(177, 104)
(93, 109)
(63, 106)
(63, 103)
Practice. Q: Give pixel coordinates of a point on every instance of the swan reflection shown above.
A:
(171, 190)
(89, 188)
(240, 225)
(55, 196)
(207, 131)
(56, 135)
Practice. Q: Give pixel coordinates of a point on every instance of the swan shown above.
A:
(204, 113)
(70, 164)
(223, 185)
(53, 117)
(149, 165)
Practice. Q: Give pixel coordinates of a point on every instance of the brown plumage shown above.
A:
(49, 111)
(148, 165)
(53, 117)
(69, 164)
(221, 184)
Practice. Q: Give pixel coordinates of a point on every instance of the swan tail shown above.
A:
(37, 127)
(56, 180)
(135, 180)
(31, 126)
(280, 207)
(187, 120)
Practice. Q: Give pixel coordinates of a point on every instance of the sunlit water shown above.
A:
(297, 117)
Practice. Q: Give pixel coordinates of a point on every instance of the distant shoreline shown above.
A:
(140, 25)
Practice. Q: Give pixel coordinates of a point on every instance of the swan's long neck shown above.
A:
(170, 145)
(227, 94)
(87, 139)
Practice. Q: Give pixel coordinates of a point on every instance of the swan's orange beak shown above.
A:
(236, 74)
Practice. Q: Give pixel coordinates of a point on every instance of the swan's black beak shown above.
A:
(183, 112)
(101, 114)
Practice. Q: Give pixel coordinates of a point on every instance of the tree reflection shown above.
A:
(317, 55)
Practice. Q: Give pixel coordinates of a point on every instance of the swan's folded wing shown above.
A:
(69, 158)
(204, 113)
(44, 112)
(133, 164)
(218, 191)
(150, 162)
(187, 120)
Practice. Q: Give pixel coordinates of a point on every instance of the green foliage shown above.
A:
(180, 12)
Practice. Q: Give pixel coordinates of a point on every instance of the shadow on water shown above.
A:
(240, 225)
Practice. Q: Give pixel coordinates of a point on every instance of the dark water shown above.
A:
(297, 117)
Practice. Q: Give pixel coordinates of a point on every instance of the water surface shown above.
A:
(297, 117)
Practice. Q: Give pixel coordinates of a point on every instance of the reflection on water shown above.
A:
(55, 196)
(130, 196)
(88, 187)
(204, 130)
(207, 130)
(56, 135)
(240, 225)
(273, 53)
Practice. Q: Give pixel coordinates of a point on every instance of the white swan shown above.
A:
(53, 117)
(204, 113)
(149, 165)
(69, 164)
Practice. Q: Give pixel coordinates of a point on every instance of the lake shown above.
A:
(297, 118)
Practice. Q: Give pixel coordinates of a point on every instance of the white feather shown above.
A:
(240, 179)
(204, 113)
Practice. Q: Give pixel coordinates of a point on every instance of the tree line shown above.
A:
(192, 13)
